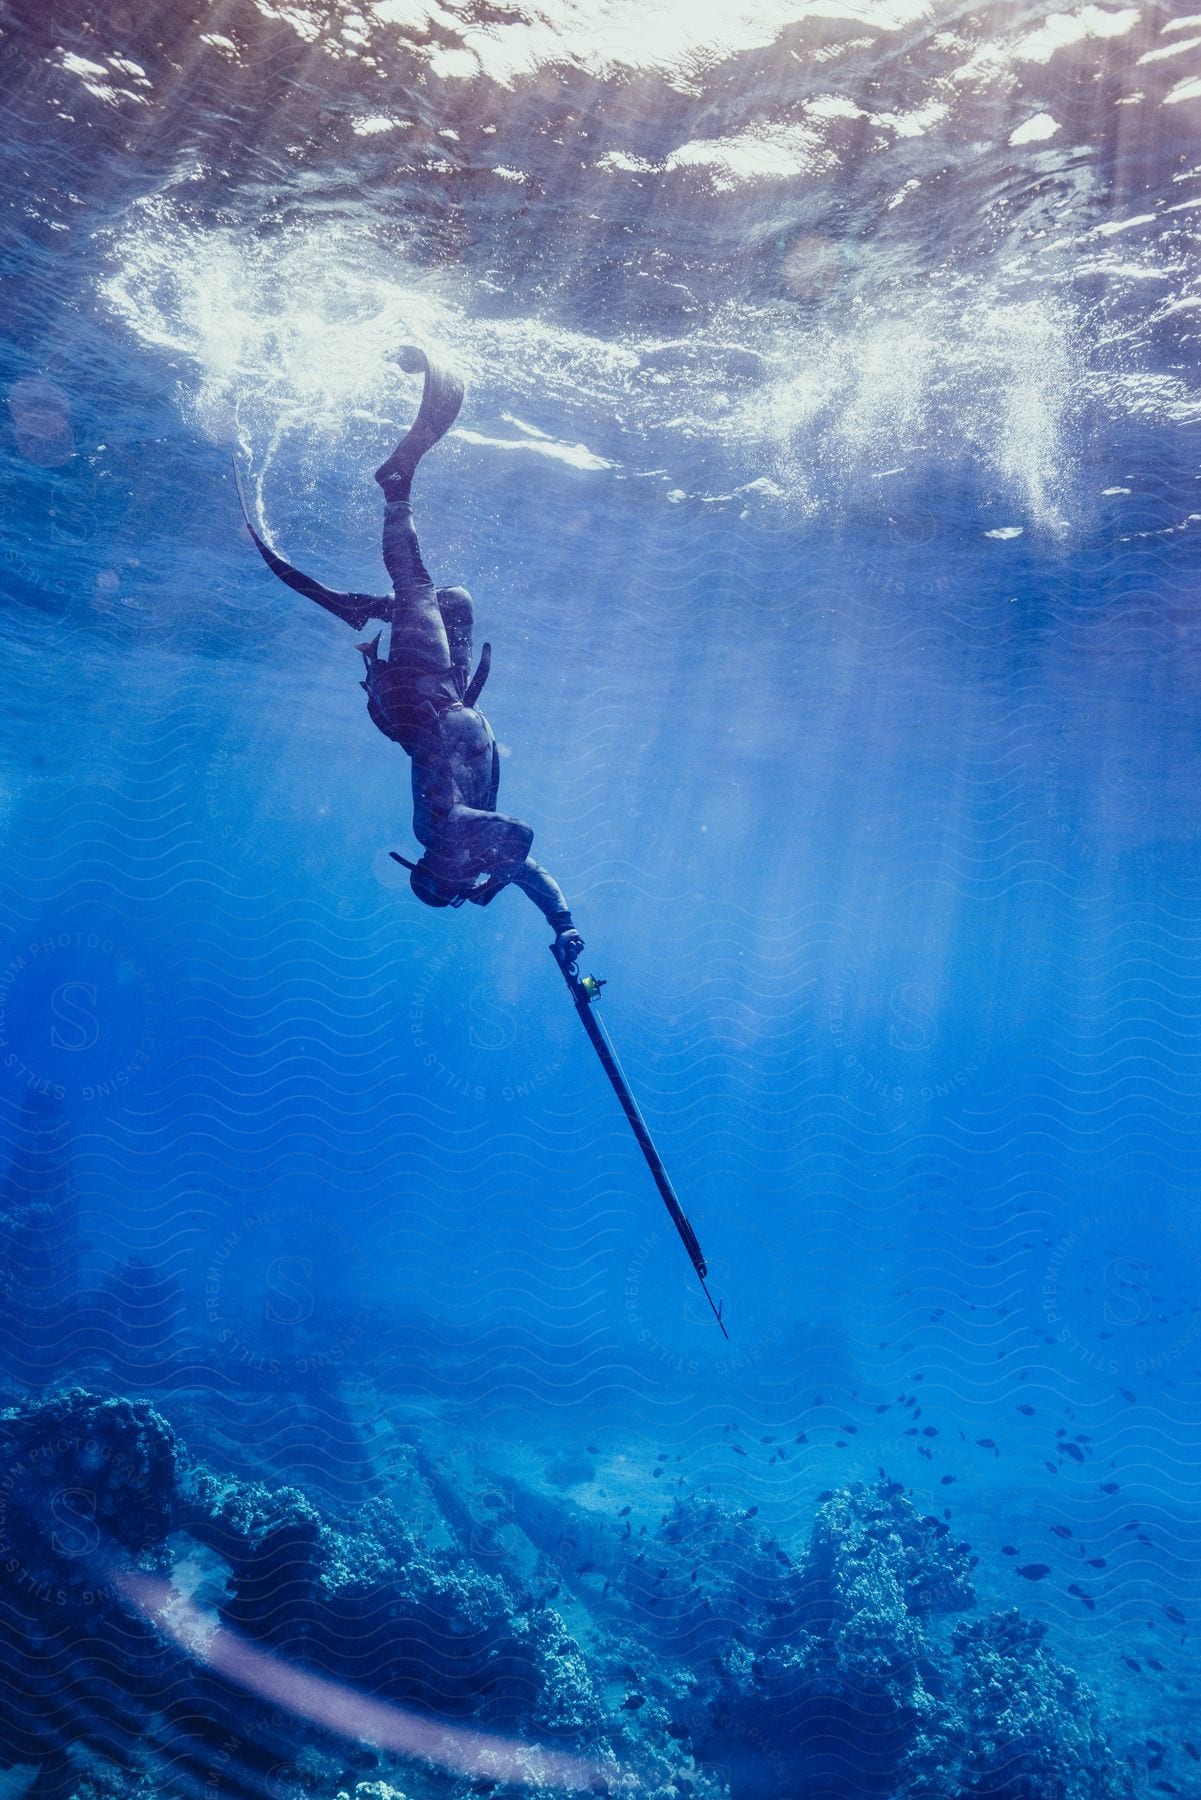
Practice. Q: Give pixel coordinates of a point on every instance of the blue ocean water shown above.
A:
(827, 487)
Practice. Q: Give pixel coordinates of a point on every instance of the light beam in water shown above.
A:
(359, 1717)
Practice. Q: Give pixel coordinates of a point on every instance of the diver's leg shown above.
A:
(402, 552)
(419, 637)
(458, 616)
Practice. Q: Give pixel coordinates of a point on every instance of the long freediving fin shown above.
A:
(352, 609)
(585, 991)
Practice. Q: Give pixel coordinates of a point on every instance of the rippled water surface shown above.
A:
(827, 483)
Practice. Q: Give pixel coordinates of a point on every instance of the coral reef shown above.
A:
(401, 1620)
(715, 1662)
(830, 1673)
(97, 1467)
(1031, 1730)
(831, 1681)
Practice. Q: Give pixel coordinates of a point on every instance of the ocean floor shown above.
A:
(345, 1589)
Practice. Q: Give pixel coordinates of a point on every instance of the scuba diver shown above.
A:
(423, 695)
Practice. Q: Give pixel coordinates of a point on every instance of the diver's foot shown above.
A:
(441, 398)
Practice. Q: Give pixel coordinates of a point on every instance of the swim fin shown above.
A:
(352, 609)
(441, 398)
(475, 685)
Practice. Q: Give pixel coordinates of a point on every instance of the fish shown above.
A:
(1131, 1664)
(1009, 1550)
(1063, 1531)
(929, 1430)
(625, 1512)
(592, 1449)
(1174, 1613)
(1110, 1487)
(738, 1449)
(1072, 1450)
(1190, 1749)
(986, 1443)
(946, 1481)
(1154, 1663)
(1051, 1468)
(1027, 1410)
(1034, 1571)
(1096, 1562)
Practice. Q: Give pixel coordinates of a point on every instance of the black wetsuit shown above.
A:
(421, 695)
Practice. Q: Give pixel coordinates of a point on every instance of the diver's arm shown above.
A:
(352, 609)
(547, 896)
